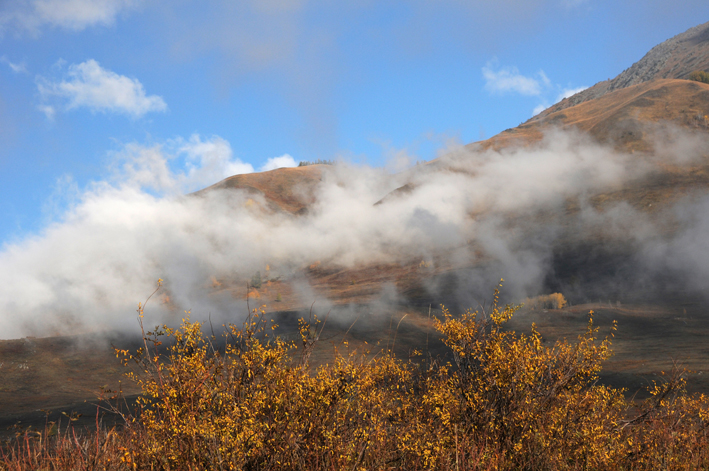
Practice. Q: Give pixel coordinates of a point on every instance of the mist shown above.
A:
(497, 213)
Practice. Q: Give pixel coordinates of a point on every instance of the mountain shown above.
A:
(646, 115)
(675, 58)
(626, 112)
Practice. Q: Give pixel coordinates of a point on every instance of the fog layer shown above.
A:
(505, 212)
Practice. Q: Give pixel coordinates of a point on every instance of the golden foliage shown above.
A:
(251, 400)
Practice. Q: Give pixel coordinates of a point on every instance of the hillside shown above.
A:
(628, 118)
(637, 120)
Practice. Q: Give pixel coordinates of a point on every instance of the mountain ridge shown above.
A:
(674, 58)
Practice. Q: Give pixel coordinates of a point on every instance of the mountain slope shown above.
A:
(643, 118)
(675, 58)
(628, 118)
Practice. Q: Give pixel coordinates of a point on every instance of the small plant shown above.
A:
(256, 280)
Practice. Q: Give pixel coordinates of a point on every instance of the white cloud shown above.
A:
(91, 86)
(544, 78)
(508, 79)
(202, 161)
(145, 167)
(209, 161)
(285, 160)
(104, 253)
(539, 108)
(74, 15)
(565, 93)
(568, 92)
(48, 111)
(20, 68)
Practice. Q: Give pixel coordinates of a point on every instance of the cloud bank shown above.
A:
(482, 208)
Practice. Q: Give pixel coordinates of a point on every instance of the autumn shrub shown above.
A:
(505, 400)
(671, 429)
(546, 301)
(536, 406)
(699, 76)
(501, 400)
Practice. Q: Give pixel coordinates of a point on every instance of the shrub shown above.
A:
(547, 301)
(253, 404)
(533, 406)
(699, 76)
(505, 401)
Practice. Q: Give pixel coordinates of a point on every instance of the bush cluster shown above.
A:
(252, 401)
(699, 76)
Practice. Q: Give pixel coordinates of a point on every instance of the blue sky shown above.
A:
(229, 87)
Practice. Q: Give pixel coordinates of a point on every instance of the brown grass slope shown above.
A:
(631, 113)
(627, 118)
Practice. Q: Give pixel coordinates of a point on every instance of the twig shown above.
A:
(397, 331)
